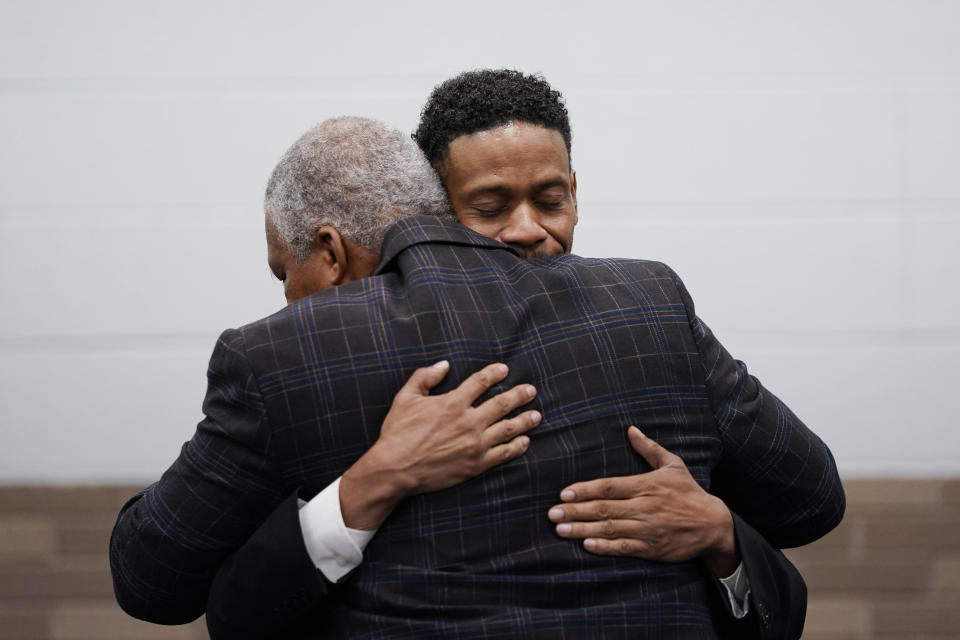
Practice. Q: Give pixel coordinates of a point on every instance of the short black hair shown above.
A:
(484, 99)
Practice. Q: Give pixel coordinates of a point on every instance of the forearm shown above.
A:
(779, 476)
(721, 556)
(371, 489)
(778, 594)
(148, 581)
(285, 569)
(269, 584)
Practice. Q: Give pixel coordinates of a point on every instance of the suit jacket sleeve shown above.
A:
(265, 588)
(170, 539)
(778, 594)
(773, 471)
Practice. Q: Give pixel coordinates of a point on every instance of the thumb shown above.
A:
(425, 378)
(655, 455)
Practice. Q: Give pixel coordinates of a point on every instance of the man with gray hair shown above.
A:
(601, 339)
(328, 206)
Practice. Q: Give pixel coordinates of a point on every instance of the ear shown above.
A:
(330, 249)
(573, 195)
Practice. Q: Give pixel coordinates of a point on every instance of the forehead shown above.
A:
(516, 150)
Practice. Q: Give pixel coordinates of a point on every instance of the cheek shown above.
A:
(297, 285)
(561, 230)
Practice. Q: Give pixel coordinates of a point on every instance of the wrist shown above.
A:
(370, 490)
(721, 555)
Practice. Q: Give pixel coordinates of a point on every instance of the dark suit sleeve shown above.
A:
(268, 585)
(778, 594)
(774, 471)
(170, 539)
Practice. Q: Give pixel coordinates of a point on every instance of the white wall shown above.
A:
(796, 163)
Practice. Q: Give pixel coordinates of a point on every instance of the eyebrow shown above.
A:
(501, 188)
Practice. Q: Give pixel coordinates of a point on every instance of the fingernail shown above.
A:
(535, 417)
(530, 391)
(555, 514)
(524, 441)
(590, 544)
(564, 528)
(443, 364)
(567, 495)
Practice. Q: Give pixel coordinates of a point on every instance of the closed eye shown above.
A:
(552, 206)
(489, 211)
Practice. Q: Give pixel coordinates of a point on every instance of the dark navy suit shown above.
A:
(294, 399)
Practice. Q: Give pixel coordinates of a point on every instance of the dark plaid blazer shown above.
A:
(294, 399)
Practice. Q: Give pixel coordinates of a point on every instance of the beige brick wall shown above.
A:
(890, 570)
(892, 567)
(54, 574)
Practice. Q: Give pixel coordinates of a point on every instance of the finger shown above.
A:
(617, 488)
(596, 510)
(481, 381)
(425, 378)
(655, 455)
(504, 430)
(618, 547)
(504, 452)
(503, 403)
(607, 529)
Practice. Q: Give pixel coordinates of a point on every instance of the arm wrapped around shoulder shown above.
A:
(777, 474)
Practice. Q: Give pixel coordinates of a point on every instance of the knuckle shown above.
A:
(609, 528)
(657, 535)
(624, 547)
(607, 489)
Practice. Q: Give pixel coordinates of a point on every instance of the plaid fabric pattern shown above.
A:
(295, 398)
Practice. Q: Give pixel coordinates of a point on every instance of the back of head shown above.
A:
(484, 99)
(355, 174)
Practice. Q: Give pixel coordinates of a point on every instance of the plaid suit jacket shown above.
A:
(294, 399)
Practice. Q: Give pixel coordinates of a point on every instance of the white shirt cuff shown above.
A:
(334, 548)
(737, 585)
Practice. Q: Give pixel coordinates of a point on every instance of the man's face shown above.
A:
(299, 279)
(514, 184)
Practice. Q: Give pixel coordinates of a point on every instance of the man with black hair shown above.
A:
(500, 140)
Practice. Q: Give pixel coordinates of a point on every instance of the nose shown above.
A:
(523, 230)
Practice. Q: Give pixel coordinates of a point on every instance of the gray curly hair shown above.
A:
(355, 174)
